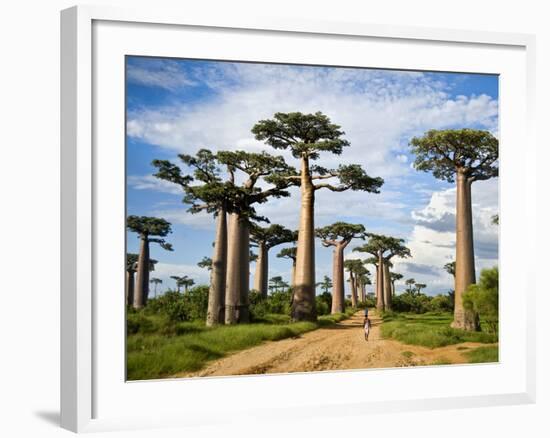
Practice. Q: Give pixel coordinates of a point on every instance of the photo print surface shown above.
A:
(288, 218)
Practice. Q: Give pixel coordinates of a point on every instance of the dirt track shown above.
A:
(339, 347)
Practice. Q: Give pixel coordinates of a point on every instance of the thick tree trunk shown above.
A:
(216, 294)
(243, 312)
(387, 287)
(363, 292)
(303, 302)
(130, 287)
(465, 267)
(338, 299)
(353, 287)
(142, 278)
(393, 289)
(260, 277)
(293, 274)
(232, 287)
(380, 284)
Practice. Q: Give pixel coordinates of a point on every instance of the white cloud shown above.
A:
(149, 182)
(433, 239)
(158, 73)
(379, 112)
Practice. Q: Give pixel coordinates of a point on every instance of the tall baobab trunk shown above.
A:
(243, 312)
(363, 292)
(465, 268)
(142, 279)
(360, 288)
(303, 303)
(393, 288)
(293, 274)
(216, 294)
(338, 299)
(387, 287)
(130, 287)
(260, 277)
(232, 287)
(380, 283)
(353, 286)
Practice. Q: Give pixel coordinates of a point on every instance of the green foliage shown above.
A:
(450, 268)
(323, 303)
(288, 253)
(441, 303)
(149, 226)
(482, 298)
(430, 330)
(388, 246)
(272, 236)
(206, 262)
(442, 152)
(412, 302)
(340, 231)
(177, 307)
(278, 302)
(131, 260)
(304, 134)
(325, 285)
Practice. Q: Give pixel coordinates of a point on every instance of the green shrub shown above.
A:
(441, 303)
(412, 302)
(178, 307)
(323, 303)
(482, 298)
(278, 302)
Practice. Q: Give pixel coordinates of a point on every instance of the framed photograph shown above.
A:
(259, 215)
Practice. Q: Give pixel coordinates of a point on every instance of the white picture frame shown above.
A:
(85, 379)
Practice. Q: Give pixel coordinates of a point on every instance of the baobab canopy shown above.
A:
(445, 152)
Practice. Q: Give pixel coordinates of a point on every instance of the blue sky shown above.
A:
(180, 106)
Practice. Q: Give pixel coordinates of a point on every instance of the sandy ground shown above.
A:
(339, 347)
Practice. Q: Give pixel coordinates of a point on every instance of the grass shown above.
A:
(430, 330)
(483, 354)
(165, 349)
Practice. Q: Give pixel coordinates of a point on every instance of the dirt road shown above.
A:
(338, 347)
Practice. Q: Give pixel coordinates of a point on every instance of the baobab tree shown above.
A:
(307, 136)
(146, 227)
(187, 283)
(156, 282)
(131, 267)
(419, 287)
(206, 190)
(339, 235)
(450, 268)
(410, 282)
(326, 284)
(179, 282)
(206, 262)
(265, 239)
(353, 266)
(254, 167)
(362, 278)
(289, 253)
(395, 276)
(276, 283)
(460, 156)
(384, 248)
